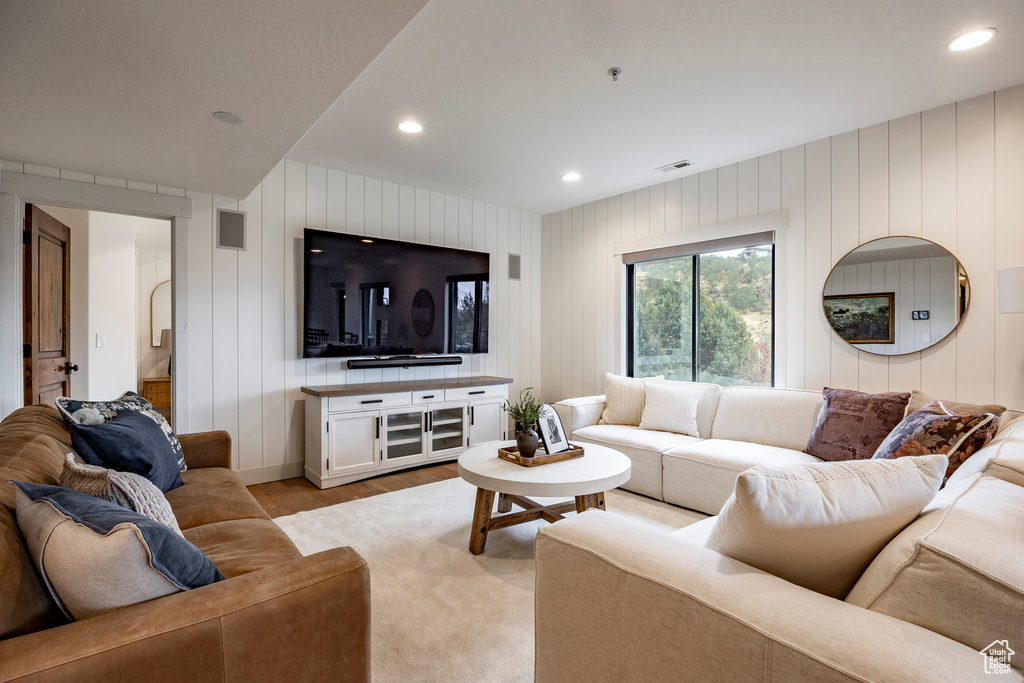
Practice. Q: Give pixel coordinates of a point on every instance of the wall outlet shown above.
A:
(101, 340)
(924, 338)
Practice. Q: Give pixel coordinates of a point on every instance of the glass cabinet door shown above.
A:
(403, 435)
(447, 429)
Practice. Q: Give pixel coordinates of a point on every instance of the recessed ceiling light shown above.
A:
(227, 117)
(315, 251)
(571, 176)
(972, 39)
(368, 241)
(410, 127)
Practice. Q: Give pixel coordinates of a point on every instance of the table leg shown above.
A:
(504, 503)
(481, 520)
(593, 500)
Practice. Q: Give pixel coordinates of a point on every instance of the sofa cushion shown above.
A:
(852, 424)
(624, 399)
(212, 494)
(957, 569)
(124, 488)
(96, 556)
(670, 408)
(701, 475)
(130, 442)
(696, 533)
(241, 546)
(935, 429)
(99, 412)
(919, 399)
(27, 453)
(643, 448)
(1007, 446)
(774, 417)
(820, 526)
(707, 402)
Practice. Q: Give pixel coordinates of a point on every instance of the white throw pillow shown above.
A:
(624, 399)
(671, 408)
(820, 525)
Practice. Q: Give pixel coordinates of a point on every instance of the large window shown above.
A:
(468, 310)
(704, 313)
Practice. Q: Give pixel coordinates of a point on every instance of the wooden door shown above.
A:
(46, 307)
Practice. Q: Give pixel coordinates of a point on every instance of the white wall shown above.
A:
(244, 307)
(952, 175)
(112, 305)
(928, 284)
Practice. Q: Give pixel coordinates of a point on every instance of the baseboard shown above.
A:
(261, 475)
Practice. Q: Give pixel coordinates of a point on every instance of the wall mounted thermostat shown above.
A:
(919, 315)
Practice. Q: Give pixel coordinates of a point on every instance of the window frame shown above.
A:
(693, 251)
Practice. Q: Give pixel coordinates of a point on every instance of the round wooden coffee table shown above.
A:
(584, 479)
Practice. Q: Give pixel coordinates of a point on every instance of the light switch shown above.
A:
(101, 340)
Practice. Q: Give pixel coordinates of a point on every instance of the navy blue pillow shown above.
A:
(130, 442)
(170, 554)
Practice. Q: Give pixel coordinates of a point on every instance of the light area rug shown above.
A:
(440, 613)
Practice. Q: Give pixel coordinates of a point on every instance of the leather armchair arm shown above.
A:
(206, 449)
(304, 620)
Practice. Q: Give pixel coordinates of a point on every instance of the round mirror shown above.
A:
(896, 295)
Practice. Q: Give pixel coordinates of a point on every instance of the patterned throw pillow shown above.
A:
(100, 412)
(127, 489)
(936, 429)
(852, 424)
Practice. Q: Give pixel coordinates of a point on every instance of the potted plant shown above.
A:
(525, 412)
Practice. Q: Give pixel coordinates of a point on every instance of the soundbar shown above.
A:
(402, 362)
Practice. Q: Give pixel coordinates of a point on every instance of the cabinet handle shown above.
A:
(428, 396)
(378, 427)
(474, 393)
(472, 415)
(430, 422)
(375, 400)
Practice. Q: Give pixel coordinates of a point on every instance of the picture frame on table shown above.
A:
(552, 433)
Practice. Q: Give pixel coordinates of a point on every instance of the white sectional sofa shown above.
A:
(620, 600)
(740, 427)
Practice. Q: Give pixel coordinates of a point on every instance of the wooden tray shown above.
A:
(512, 455)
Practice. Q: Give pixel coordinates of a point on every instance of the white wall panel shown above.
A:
(951, 174)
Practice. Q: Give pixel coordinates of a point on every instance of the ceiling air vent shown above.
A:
(668, 168)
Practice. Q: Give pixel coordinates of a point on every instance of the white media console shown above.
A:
(358, 431)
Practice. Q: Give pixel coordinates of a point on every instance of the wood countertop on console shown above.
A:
(415, 385)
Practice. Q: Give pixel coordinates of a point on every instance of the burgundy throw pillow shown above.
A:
(936, 429)
(852, 424)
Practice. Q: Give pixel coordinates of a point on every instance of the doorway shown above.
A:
(118, 305)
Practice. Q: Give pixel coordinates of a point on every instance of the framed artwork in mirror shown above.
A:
(863, 318)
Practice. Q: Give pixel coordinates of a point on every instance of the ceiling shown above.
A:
(128, 89)
(511, 95)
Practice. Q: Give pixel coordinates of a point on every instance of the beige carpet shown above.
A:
(439, 612)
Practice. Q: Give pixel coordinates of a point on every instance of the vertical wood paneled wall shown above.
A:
(244, 306)
(954, 175)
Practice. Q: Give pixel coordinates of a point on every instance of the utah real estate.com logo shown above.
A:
(997, 657)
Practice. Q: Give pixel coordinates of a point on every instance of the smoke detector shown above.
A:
(668, 168)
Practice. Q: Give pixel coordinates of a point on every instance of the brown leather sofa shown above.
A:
(278, 616)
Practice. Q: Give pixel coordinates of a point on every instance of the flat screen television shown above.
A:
(367, 296)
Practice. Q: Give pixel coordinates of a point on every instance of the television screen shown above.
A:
(367, 296)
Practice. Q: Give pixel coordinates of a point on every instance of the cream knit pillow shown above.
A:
(128, 490)
(624, 399)
(671, 407)
(820, 525)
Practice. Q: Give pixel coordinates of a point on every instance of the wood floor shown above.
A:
(289, 496)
